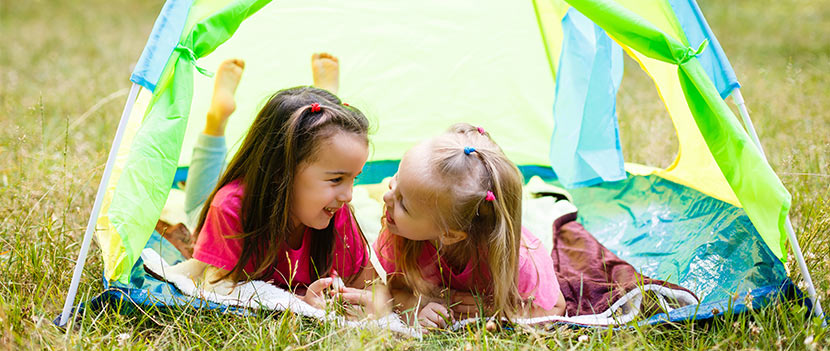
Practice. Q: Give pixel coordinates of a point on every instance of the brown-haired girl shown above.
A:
(453, 221)
(279, 211)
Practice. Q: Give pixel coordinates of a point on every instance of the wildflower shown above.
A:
(122, 339)
(37, 320)
(583, 338)
(809, 342)
(748, 301)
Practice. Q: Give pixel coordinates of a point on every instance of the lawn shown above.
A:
(64, 69)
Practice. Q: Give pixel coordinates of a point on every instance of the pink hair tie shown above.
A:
(315, 107)
(480, 130)
(490, 196)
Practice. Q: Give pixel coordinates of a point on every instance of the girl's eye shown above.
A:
(400, 202)
(336, 180)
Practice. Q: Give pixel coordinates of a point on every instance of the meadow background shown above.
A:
(64, 69)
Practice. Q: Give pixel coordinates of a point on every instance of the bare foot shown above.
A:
(178, 235)
(325, 69)
(223, 103)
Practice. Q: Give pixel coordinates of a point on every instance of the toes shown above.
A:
(324, 55)
(230, 63)
(236, 62)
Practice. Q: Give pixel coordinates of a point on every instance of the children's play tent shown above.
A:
(541, 75)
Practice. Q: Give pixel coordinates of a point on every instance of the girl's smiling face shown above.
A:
(324, 184)
(409, 211)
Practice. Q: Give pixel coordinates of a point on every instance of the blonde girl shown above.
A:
(452, 223)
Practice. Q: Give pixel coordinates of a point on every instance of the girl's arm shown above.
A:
(369, 291)
(208, 274)
(404, 301)
(466, 305)
(536, 311)
(365, 278)
(431, 313)
(215, 279)
(426, 311)
(213, 282)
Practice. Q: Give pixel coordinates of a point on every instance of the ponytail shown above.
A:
(480, 194)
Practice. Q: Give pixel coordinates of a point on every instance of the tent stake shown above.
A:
(799, 257)
(96, 208)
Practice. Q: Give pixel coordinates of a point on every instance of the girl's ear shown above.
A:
(453, 236)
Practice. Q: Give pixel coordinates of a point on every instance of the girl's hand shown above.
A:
(214, 282)
(354, 296)
(315, 295)
(434, 315)
(466, 305)
(375, 300)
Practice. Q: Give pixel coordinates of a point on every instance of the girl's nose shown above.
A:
(393, 181)
(387, 197)
(345, 195)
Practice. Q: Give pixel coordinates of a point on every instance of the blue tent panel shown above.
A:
(671, 232)
(163, 40)
(585, 146)
(713, 59)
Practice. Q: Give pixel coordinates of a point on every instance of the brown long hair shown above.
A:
(493, 227)
(285, 133)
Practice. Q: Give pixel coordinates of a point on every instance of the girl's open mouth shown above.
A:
(389, 218)
(329, 211)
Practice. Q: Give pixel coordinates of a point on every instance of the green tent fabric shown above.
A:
(510, 97)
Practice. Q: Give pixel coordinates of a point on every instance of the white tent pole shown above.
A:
(799, 257)
(750, 128)
(805, 272)
(96, 208)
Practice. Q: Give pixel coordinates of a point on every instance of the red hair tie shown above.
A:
(315, 107)
(345, 104)
(490, 196)
(480, 130)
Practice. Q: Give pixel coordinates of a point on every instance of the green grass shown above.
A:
(63, 79)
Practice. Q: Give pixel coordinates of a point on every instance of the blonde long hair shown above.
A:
(493, 227)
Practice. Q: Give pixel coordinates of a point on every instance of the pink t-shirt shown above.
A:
(537, 278)
(223, 219)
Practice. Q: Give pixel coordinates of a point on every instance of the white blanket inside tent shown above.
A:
(258, 294)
